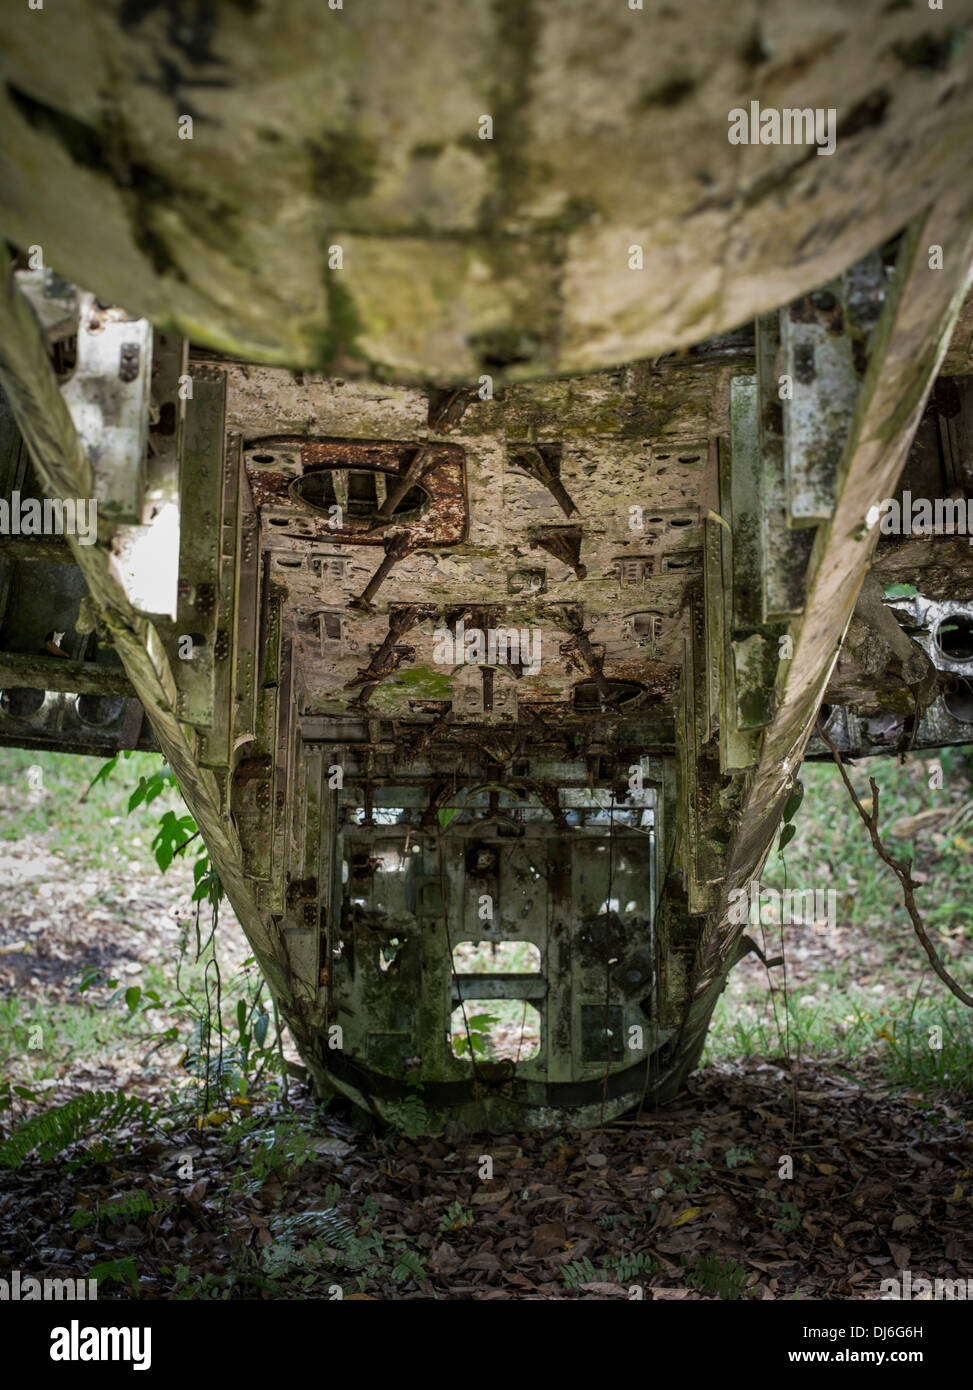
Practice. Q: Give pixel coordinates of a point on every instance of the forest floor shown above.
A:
(824, 1146)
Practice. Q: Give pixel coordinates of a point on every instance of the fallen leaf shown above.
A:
(547, 1238)
(688, 1215)
(487, 1198)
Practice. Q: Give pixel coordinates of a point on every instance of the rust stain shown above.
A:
(444, 522)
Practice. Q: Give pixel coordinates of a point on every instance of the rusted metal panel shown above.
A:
(819, 362)
(201, 605)
(301, 489)
(784, 552)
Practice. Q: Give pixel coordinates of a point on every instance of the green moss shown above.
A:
(518, 29)
(104, 150)
(420, 682)
(705, 309)
(343, 165)
(341, 331)
(577, 212)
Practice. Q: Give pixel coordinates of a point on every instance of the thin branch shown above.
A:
(452, 973)
(902, 871)
(179, 848)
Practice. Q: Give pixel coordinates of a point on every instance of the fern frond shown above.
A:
(328, 1225)
(409, 1116)
(57, 1129)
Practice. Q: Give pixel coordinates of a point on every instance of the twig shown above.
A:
(608, 968)
(902, 871)
(657, 909)
(452, 972)
(179, 848)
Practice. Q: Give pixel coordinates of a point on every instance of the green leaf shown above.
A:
(138, 795)
(158, 783)
(447, 814)
(171, 835)
(104, 771)
(793, 802)
(90, 975)
(132, 996)
(119, 1270)
(786, 835)
(208, 883)
(477, 1022)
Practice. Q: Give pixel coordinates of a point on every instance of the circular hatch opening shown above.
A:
(955, 637)
(22, 703)
(359, 492)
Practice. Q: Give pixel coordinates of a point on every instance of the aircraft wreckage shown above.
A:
(478, 474)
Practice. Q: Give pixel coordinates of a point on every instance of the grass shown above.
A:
(828, 1011)
(107, 1014)
(39, 1037)
(89, 833)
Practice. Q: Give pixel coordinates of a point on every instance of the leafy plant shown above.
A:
(9, 1090)
(130, 1206)
(122, 1271)
(578, 1272)
(329, 1226)
(616, 1269)
(711, 1275)
(612, 1220)
(630, 1264)
(408, 1264)
(174, 833)
(691, 1175)
(281, 1154)
(158, 781)
(456, 1217)
(476, 1036)
(789, 1219)
(409, 1116)
(56, 1129)
(791, 808)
